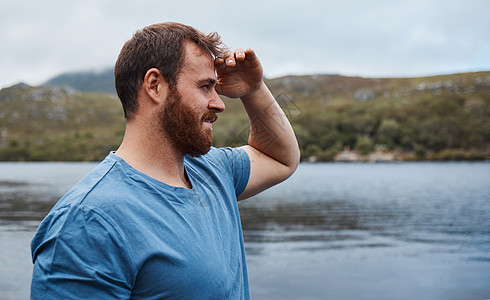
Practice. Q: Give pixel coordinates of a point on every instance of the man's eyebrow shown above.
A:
(207, 81)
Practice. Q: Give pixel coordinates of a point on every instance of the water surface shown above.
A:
(332, 231)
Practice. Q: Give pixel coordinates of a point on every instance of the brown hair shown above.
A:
(158, 46)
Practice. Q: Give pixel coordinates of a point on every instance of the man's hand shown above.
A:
(239, 73)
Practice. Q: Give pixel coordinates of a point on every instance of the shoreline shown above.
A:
(382, 155)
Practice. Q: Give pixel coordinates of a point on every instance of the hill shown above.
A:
(57, 124)
(425, 118)
(86, 81)
(335, 117)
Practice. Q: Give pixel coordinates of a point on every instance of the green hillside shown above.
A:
(87, 81)
(426, 118)
(57, 124)
(436, 118)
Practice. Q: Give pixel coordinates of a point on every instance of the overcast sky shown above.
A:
(41, 39)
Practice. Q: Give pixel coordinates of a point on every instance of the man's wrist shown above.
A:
(261, 90)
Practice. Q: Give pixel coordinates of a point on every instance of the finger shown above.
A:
(229, 58)
(230, 61)
(240, 54)
(250, 54)
(219, 60)
(219, 63)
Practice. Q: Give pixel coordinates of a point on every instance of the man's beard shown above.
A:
(184, 127)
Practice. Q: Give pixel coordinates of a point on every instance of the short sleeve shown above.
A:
(240, 167)
(78, 254)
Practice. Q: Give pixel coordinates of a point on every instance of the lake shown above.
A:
(332, 231)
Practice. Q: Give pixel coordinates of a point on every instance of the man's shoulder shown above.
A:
(89, 184)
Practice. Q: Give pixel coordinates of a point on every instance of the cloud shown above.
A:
(40, 39)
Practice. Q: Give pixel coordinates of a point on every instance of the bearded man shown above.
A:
(158, 218)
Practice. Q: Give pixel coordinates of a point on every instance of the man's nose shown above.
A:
(215, 103)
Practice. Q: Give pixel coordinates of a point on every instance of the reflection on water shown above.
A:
(341, 231)
(372, 231)
(19, 204)
(29, 190)
(433, 203)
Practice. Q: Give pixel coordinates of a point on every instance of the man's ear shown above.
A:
(154, 85)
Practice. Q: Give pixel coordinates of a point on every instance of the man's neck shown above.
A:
(152, 154)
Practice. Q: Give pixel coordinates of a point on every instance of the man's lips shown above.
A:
(210, 118)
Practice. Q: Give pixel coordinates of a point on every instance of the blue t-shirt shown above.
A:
(120, 234)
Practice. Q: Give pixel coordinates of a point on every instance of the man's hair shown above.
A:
(158, 46)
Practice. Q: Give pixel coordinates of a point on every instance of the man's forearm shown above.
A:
(270, 131)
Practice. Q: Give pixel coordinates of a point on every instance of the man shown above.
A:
(158, 218)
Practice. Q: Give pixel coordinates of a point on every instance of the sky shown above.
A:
(375, 38)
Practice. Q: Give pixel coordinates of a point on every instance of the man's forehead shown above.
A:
(198, 66)
(195, 57)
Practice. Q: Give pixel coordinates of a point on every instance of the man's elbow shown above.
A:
(292, 164)
(295, 159)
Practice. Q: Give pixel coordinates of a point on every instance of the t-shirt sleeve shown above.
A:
(239, 163)
(78, 254)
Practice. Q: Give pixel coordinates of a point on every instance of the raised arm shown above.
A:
(272, 146)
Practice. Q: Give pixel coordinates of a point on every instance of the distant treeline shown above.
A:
(442, 127)
(428, 118)
(434, 118)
